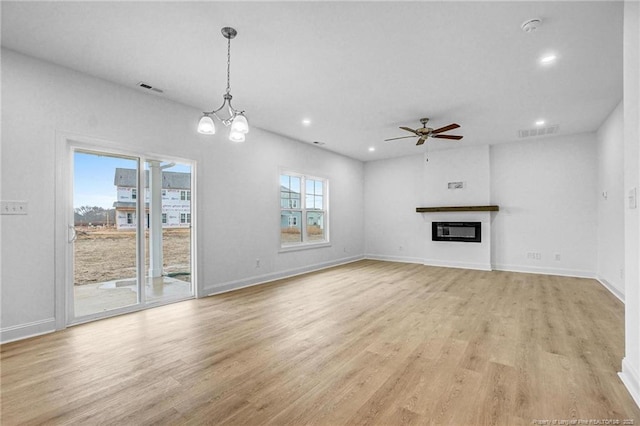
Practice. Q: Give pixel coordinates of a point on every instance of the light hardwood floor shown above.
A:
(365, 343)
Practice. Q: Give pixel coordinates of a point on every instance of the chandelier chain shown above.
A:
(228, 65)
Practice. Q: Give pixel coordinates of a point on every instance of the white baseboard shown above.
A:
(545, 271)
(267, 278)
(399, 259)
(461, 265)
(612, 289)
(24, 331)
(429, 262)
(631, 380)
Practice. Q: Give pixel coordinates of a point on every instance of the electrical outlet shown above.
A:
(257, 263)
(14, 207)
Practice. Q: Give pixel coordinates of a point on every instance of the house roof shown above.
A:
(170, 180)
(284, 189)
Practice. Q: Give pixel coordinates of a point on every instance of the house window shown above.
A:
(130, 218)
(185, 217)
(164, 218)
(303, 209)
(185, 195)
(134, 194)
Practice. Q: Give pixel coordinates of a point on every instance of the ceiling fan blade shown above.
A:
(409, 130)
(447, 137)
(403, 137)
(445, 128)
(421, 140)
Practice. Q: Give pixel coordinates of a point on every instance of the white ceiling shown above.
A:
(358, 70)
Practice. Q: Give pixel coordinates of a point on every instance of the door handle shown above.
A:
(74, 234)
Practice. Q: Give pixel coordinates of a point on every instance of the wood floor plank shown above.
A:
(364, 343)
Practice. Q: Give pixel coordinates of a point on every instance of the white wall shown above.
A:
(548, 205)
(631, 363)
(545, 190)
(611, 203)
(471, 167)
(468, 165)
(237, 194)
(393, 190)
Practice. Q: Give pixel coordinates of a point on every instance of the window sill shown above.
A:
(303, 246)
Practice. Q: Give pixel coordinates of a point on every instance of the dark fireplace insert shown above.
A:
(468, 232)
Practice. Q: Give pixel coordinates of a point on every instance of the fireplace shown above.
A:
(468, 232)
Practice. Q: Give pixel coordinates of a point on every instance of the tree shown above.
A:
(95, 215)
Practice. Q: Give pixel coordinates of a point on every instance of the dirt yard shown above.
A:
(107, 254)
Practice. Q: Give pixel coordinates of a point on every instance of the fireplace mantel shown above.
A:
(457, 209)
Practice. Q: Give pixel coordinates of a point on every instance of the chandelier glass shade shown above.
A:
(236, 119)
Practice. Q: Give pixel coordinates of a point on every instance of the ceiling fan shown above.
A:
(425, 132)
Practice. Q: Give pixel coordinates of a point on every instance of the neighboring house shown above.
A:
(176, 199)
(289, 199)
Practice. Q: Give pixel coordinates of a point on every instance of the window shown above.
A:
(134, 194)
(130, 218)
(185, 195)
(185, 217)
(164, 218)
(294, 230)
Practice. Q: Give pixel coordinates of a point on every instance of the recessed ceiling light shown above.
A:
(371, 149)
(548, 59)
(306, 121)
(539, 122)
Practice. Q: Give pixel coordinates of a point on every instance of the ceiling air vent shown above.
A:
(539, 131)
(149, 87)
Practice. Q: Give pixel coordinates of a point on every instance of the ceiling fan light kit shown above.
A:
(424, 132)
(236, 119)
(531, 25)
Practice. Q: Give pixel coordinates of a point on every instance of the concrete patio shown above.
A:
(105, 296)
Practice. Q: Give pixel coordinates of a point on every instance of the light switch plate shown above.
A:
(13, 207)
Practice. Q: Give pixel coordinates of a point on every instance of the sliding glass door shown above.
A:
(131, 233)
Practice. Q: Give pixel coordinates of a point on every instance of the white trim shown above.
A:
(302, 209)
(267, 278)
(485, 267)
(545, 271)
(399, 259)
(612, 289)
(631, 380)
(462, 265)
(30, 329)
(303, 246)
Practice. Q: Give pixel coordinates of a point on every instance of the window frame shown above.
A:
(305, 243)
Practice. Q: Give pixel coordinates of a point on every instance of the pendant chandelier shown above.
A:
(236, 119)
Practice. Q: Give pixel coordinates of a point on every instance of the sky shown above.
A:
(94, 175)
